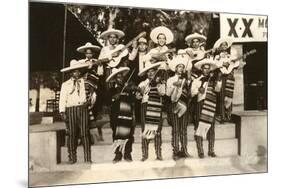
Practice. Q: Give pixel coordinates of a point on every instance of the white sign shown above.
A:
(244, 28)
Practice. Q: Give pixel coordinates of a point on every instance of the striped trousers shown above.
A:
(157, 138)
(77, 117)
(179, 130)
(210, 134)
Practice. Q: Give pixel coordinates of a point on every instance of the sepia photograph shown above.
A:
(120, 93)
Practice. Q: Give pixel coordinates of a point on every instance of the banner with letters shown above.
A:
(244, 28)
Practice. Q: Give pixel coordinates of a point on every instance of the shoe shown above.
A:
(176, 157)
(212, 154)
(143, 159)
(128, 157)
(117, 158)
(186, 155)
(159, 158)
(201, 155)
(72, 161)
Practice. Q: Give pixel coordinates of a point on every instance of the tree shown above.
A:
(134, 20)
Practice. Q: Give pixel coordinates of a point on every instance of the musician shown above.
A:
(195, 43)
(94, 83)
(161, 36)
(121, 115)
(178, 91)
(205, 89)
(194, 50)
(73, 106)
(151, 92)
(137, 58)
(223, 61)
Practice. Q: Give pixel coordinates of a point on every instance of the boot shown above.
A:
(211, 145)
(128, 157)
(118, 157)
(199, 144)
(72, 159)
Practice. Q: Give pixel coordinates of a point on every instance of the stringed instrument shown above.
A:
(122, 51)
(233, 63)
(155, 56)
(198, 55)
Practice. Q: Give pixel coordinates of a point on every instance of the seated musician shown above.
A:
(121, 115)
(178, 91)
(151, 92)
(204, 89)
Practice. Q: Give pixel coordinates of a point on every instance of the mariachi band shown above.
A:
(191, 85)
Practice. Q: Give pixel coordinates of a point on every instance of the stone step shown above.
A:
(104, 153)
(223, 131)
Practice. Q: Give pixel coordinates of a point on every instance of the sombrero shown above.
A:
(151, 66)
(74, 64)
(105, 34)
(88, 45)
(190, 37)
(116, 71)
(142, 40)
(178, 60)
(162, 30)
(206, 61)
(228, 40)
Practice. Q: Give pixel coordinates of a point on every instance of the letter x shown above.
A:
(232, 25)
(247, 25)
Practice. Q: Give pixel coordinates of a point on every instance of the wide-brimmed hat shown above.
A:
(162, 30)
(105, 34)
(151, 66)
(116, 71)
(206, 61)
(228, 40)
(190, 37)
(142, 40)
(178, 60)
(88, 45)
(74, 64)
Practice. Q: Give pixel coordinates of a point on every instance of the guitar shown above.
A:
(234, 63)
(122, 51)
(197, 56)
(156, 56)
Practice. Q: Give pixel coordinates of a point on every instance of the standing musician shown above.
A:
(161, 36)
(121, 116)
(73, 106)
(151, 92)
(178, 91)
(223, 61)
(137, 59)
(205, 88)
(93, 83)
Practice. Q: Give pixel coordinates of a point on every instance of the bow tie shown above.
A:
(76, 83)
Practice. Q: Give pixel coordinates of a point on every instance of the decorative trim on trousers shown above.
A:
(78, 119)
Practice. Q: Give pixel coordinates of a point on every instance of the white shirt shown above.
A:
(144, 86)
(196, 84)
(156, 51)
(68, 97)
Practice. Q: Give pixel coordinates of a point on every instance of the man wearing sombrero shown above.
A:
(223, 60)
(73, 106)
(151, 92)
(121, 115)
(137, 58)
(178, 91)
(161, 36)
(205, 89)
(93, 82)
